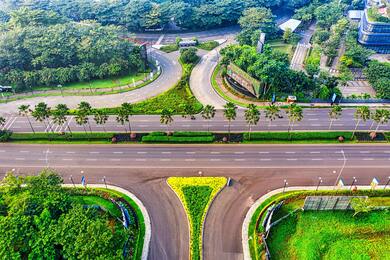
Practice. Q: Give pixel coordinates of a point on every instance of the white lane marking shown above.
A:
(368, 159)
(316, 159)
(115, 160)
(189, 160)
(239, 152)
(2, 151)
(240, 160)
(263, 152)
(70, 152)
(215, 160)
(386, 151)
(313, 119)
(91, 159)
(20, 159)
(290, 152)
(142, 152)
(364, 151)
(23, 151)
(265, 159)
(94, 152)
(315, 152)
(215, 152)
(186, 126)
(190, 152)
(166, 152)
(292, 159)
(140, 160)
(67, 159)
(315, 124)
(118, 152)
(165, 160)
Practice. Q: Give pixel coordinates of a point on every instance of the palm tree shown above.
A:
(208, 113)
(85, 110)
(127, 110)
(59, 115)
(2, 121)
(230, 113)
(41, 114)
(334, 114)
(272, 112)
(81, 119)
(166, 117)
(122, 117)
(101, 118)
(295, 114)
(24, 110)
(361, 114)
(252, 117)
(381, 117)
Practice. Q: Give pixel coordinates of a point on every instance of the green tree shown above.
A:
(2, 121)
(41, 113)
(360, 205)
(252, 117)
(101, 117)
(287, 35)
(362, 113)
(124, 113)
(59, 115)
(258, 18)
(84, 110)
(166, 117)
(24, 110)
(230, 113)
(334, 114)
(381, 117)
(208, 113)
(81, 119)
(272, 112)
(295, 114)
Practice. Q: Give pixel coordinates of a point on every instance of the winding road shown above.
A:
(255, 169)
(171, 73)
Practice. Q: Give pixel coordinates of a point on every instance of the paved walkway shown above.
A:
(171, 73)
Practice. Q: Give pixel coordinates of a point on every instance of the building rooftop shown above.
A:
(290, 24)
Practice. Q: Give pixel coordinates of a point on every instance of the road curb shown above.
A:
(148, 227)
(253, 208)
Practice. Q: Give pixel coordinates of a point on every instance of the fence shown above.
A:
(329, 202)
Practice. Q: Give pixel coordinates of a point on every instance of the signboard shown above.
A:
(374, 183)
(340, 184)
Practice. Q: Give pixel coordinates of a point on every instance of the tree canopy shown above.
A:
(42, 48)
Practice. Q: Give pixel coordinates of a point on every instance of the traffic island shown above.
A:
(306, 223)
(196, 194)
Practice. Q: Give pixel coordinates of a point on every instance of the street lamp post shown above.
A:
(60, 87)
(200, 173)
(319, 183)
(71, 179)
(341, 170)
(387, 183)
(285, 185)
(353, 182)
(104, 180)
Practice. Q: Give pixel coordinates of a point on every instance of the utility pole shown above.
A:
(319, 183)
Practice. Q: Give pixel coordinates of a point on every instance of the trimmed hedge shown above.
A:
(192, 134)
(157, 134)
(296, 136)
(177, 139)
(60, 137)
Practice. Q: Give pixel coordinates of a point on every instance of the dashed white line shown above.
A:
(2, 151)
(94, 152)
(142, 152)
(368, 159)
(166, 152)
(67, 159)
(290, 152)
(118, 152)
(215, 160)
(115, 160)
(190, 152)
(315, 152)
(20, 159)
(292, 159)
(165, 160)
(189, 160)
(240, 160)
(265, 159)
(239, 152)
(70, 152)
(263, 152)
(140, 160)
(91, 160)
(215, 152)
(24, 151)
(317, 159)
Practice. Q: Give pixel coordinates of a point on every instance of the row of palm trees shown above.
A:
(43, 113)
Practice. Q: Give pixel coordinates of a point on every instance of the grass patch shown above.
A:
(169, 48)
(297, 136)
(97, 200)
(179, 137)
(66, 138)
(208, 46)
(280, 45)
(295, 200)
(196, 194)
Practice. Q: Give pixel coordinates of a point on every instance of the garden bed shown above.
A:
(196, 195)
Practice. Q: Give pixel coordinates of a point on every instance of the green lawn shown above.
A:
(196, 194)
(100, 83)
(96, 200)
(280, 45)
(208, 46)
(332, 235)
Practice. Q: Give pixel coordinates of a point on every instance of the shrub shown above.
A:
(4, 136)
(208, 46)
(58, 137)
(157, 134)
(296, 136)
(189, 55)
(192, 134)
(169, 48)
(177, 139)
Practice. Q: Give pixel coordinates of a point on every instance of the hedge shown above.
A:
(157, 134)
(196, 194)
(4, 136)
(177, 139)
(60, 137)
(192, 134)
(282, 136)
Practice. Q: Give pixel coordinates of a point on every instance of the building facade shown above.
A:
(374, 35)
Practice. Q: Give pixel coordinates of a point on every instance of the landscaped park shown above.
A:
(41, 219)
(360, 232)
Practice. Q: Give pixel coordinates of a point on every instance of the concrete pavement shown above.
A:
(314, 120)
(171, 73)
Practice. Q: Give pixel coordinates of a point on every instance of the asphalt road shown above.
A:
(255, 169)
(314, 120)
(171, 73)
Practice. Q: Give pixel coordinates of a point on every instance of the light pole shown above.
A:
(104, 180)
(71, 179)
(200, 173)
(285, 185)
(60, 87)
(353, 182)
(341, 170)
(387, 183)
(319, 183)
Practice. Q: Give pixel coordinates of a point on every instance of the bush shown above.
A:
(189, 55)
(169, 48)
(157, 134)
(296, 136)
(177, 139)
(59, 137)
(4, 136)
(208, 46)
(192, 134)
